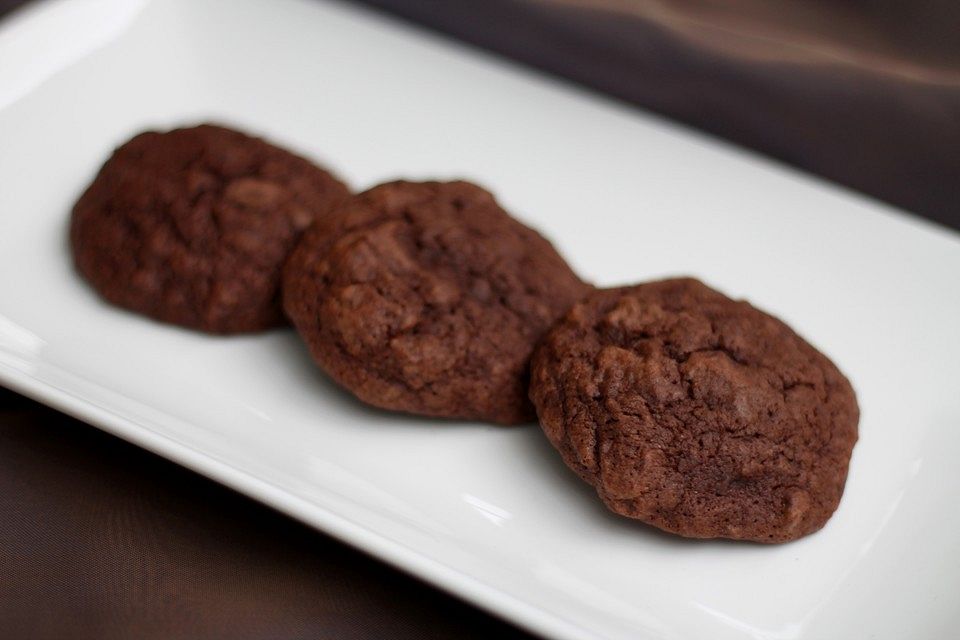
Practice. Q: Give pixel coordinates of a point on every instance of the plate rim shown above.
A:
(487, 597)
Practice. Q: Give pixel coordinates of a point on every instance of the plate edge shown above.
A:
(357, 536)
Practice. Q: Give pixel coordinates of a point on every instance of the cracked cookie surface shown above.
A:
(428, 298)
(192, 226)
(695, 413)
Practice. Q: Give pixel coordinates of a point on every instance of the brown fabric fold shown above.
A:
(865, 94)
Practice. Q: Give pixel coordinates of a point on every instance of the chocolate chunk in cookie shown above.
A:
(695, 413)
(192, 226)
(428, 298)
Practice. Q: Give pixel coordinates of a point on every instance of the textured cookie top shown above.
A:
(428, 298)
(695, 413)
(192, 226)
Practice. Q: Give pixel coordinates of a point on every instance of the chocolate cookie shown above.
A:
(695, 413)
(192, 226)
(428, 298)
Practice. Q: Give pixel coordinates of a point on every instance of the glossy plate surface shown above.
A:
(488, 513)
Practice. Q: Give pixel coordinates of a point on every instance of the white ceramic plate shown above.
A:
(488, 513)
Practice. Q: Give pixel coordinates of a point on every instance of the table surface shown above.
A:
(116, 542)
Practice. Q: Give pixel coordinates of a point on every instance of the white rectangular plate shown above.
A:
(488, 513)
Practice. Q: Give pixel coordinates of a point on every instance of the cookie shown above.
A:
(695, 413)
(428, 298)
(192, 226)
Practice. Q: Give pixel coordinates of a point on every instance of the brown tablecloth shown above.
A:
(865, 93)
(99, 539)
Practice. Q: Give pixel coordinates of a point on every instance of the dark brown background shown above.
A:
(99, 539)
(863, 92)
